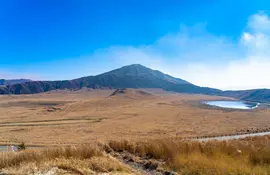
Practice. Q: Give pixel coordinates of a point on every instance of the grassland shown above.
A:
(84, 159)
(247, 156)
(86, 132)
(236, 157)
(78, 117)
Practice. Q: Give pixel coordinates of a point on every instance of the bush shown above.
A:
(21, 147)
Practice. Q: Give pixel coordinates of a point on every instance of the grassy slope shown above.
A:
(85, 159)
(248, 156)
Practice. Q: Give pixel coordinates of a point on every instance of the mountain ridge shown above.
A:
(132, 76)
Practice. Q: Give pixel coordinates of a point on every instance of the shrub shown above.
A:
(21, 147)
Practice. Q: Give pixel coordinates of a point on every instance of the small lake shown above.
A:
(232, 104)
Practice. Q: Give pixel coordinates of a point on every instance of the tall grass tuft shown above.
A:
(78, 152)
(247, 156)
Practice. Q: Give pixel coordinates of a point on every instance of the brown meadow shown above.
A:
(85, 116)
(138, 131)
(245, 156)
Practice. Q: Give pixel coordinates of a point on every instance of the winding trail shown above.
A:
(231, 137)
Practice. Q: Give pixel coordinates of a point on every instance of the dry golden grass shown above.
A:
(83, 160)
(71, 166)
(88, 116)
(249, 156)
(236, 157)
(78, 117)
(79, 152)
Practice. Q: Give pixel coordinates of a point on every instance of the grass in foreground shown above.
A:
(82, 160)
(237, 157)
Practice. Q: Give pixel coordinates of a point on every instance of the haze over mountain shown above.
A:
(132, 76)
(4, 82)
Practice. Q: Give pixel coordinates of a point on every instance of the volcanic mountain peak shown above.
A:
(142, 71)
(133, 69)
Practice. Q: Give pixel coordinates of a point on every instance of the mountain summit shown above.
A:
(142, 71)
(132, 76)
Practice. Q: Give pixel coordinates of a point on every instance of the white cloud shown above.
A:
(205, 59)
(259, 22)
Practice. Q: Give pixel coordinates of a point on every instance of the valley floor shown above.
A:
(86, 116)
(131, 131)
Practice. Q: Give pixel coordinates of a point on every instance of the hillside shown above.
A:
(135, 94)
(132, 76)
(258, 95)
(145, 157)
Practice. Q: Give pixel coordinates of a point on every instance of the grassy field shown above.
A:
(135, 131)
(236, 157)
(85, 116)
(247, 156)
(82, 160)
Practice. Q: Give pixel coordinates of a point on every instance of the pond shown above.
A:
(233, 104)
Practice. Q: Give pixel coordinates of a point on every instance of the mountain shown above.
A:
(132, 76)
(4, 82)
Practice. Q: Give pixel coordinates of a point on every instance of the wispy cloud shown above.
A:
(205, 59)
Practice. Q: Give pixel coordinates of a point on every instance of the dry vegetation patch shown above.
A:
(236, 157)
(248, 156)
(79, 152)
(69, 116)
(82, 160)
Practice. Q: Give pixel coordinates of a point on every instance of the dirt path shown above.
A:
(48, 122)
(141, 166)
(136, 167)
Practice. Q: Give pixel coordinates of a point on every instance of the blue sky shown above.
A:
(217, 43)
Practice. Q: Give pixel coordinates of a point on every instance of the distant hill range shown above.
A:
(4, 82)
(132, 76)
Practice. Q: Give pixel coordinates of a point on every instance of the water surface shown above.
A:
(233, 104)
